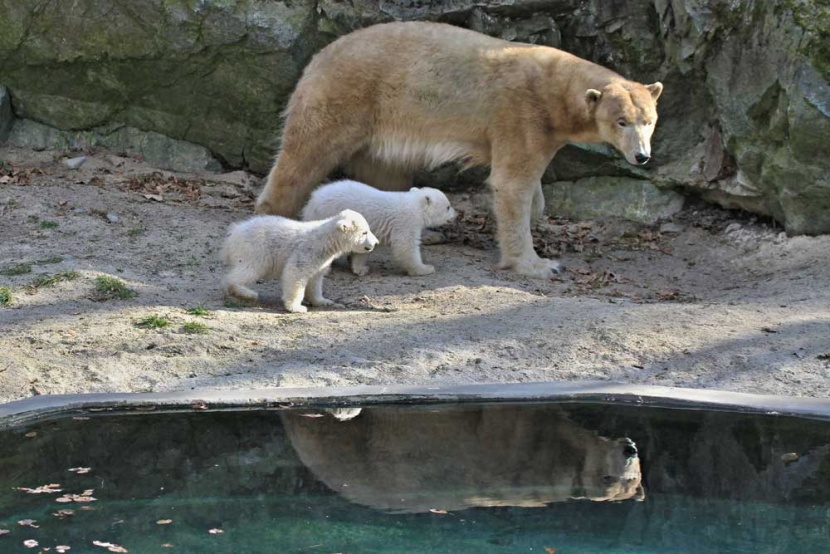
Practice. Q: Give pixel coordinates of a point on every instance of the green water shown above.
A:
(714, 483)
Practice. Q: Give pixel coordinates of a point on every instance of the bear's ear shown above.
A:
(656, 89)
(427, 200)
(345, 225)
(592, 97)
(414, 189)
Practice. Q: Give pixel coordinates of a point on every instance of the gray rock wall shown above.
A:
(745, 117)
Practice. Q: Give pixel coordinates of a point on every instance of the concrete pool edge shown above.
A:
(37, 408)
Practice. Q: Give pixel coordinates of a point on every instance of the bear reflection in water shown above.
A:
(413, 460)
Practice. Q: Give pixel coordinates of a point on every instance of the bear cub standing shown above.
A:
(397, 218)
(298, 252)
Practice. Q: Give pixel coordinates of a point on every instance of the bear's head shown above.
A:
(625, 115)
(435, 206)
(354, 228)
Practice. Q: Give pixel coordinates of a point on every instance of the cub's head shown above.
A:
(354, 228)
(626, 114)
(435, 206)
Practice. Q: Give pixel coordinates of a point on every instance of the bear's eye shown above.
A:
(365, 234)
(622, 122)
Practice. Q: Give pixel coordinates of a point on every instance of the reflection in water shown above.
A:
(716, 482)
(417, 460)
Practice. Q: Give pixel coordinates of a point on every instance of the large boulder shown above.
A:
(744, 119)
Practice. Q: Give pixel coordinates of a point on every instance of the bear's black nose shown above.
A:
(642, 159)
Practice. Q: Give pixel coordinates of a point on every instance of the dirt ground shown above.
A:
(712, 299)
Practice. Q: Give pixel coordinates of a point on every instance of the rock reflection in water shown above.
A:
(419, 459)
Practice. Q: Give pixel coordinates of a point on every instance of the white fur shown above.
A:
(397, 218)
(298, 252)
(414, 153)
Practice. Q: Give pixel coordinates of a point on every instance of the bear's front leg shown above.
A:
(406, 250)
(314, 291)
(294, 282)
(512, 203)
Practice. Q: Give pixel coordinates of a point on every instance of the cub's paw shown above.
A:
(422, 270)
(360, 271)
(296, 309)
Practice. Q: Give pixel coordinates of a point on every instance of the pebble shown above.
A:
(671, 229)
(732, 227)
(74, 163)
(113, 218)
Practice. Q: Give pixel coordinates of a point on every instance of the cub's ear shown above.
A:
(592, 97)
(656, 89)
(413, 189)
(427, 200)
(345, 225)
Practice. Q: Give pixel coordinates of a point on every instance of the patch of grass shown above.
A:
(48, 224)
(111, 288)
(135, 231)
(153, 322)
(17, 269)
(198, 310)
(52, 279)
(195, 328)
(230, 303)
(5, 296)
(49, 260)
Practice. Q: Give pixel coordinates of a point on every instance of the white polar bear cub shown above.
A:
(397, 218)
(298, 252)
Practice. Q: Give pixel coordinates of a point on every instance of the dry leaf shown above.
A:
(550, 550)
(436, 511)
(51, 488)
(28, 523)
(156, 197)
(80, 470)
(215, 531)
(30, 434)
(164, 521)
(30, 543)
(4, 532)
(62, 548)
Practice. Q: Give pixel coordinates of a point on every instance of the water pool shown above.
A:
(484, 476)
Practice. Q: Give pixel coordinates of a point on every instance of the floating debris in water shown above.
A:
(215, 531)
(80, 470)
(62, 548)
(28, 523)
(43, 489)
(110, 546)
(164, 522)
(63, 513)
(31, 543)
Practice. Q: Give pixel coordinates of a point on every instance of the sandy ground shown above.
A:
(711, 300)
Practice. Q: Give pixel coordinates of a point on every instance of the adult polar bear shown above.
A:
(396, 97)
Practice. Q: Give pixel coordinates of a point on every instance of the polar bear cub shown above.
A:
(397, 218)
(298, 252)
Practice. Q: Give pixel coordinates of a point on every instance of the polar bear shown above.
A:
(298, 252)
(390, 99)
(397, 218)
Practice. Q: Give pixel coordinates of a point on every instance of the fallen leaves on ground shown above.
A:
(156, 186)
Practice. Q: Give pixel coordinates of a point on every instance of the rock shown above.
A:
(113, 218)
(602, 197)
(158, 150)
(744, 119)
(732, 228)
(74, 163)
(6, 115)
